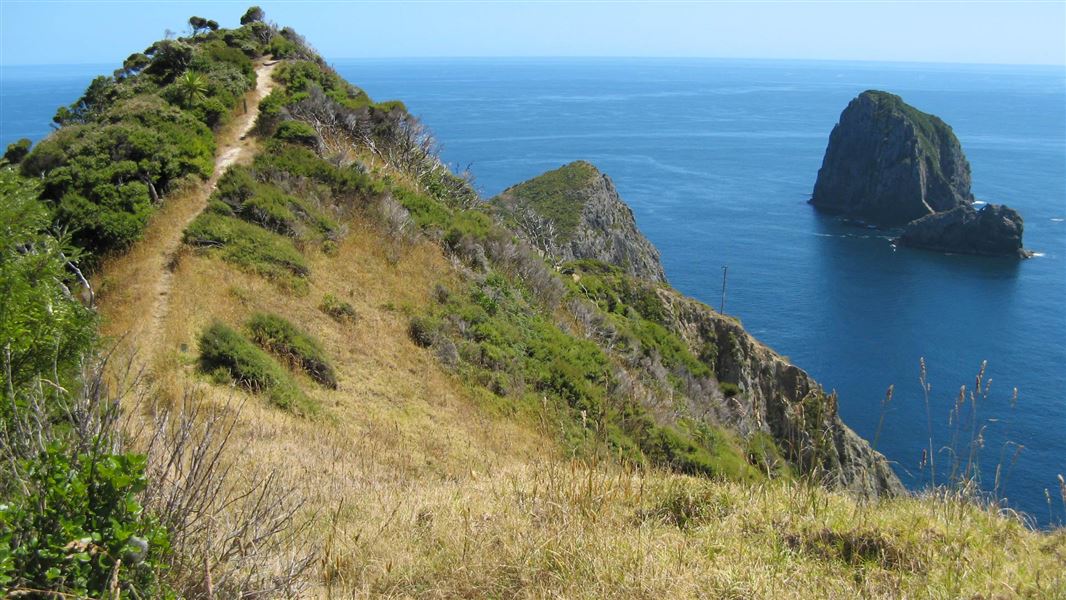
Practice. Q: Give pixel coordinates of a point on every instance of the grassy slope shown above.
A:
(419, 488)
(430, 495)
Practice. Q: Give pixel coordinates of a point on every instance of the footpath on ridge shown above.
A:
(138, 309)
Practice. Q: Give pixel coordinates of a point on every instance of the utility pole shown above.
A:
(725, 272)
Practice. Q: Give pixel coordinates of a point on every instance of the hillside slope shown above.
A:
(451, 415)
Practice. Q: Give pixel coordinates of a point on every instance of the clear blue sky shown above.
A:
(102, 31)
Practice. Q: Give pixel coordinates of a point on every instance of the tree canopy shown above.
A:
(253, 15)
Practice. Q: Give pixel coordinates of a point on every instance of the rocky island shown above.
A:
(892, 165)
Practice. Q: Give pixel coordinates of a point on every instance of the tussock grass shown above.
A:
(577, 530)
(299, 349)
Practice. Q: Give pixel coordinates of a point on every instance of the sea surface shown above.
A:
(717, 159)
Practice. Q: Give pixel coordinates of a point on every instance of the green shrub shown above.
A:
(297, 132)
(247, 245)
(391, 105)
(668, 446)
(729, 389)
(300, 161)
(301, 75)
(297, 347)
(337, 309)
(104, 177)
(223, 348)
(282, 48)
(42, 330)
(268, 206)
(423, 331)
(16, 151)
(270, 112)
(766, 455)
(236, 186)
(73, 519)
(67, 513)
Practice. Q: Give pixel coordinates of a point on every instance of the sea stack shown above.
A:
(889, 163)
(574, 212)
(892, 165)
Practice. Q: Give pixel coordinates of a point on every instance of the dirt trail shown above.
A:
(233, 146)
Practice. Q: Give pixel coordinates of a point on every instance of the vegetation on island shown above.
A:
(367, 384)
(932, 133)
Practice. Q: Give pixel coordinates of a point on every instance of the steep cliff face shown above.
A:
(781, 399)
(889, 163)
(995, 230)
(574, 212)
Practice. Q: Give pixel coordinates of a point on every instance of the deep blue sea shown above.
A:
(718, 158)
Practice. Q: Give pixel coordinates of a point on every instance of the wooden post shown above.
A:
(725, 272)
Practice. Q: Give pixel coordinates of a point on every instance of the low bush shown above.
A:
(729, 389)
(297, 347)
(337, 309)
(106, 178)
(282, 160)
(16, 151)
(269, 206)
(224, 349)
(246, 245)
(297, 132)
(423, 331)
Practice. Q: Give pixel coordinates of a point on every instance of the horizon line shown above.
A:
(1061, 65)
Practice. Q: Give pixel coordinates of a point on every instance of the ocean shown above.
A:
(718, 158)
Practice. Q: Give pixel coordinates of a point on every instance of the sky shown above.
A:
(106, 31)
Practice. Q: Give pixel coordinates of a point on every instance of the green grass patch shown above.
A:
(224, 351)
(293, 345)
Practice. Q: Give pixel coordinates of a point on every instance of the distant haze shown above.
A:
(48, 32)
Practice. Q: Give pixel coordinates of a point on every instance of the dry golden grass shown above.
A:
(416, 490)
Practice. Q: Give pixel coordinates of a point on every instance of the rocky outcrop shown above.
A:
(781, 399)
(574, 212)
(888, 163)
(994, 230)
